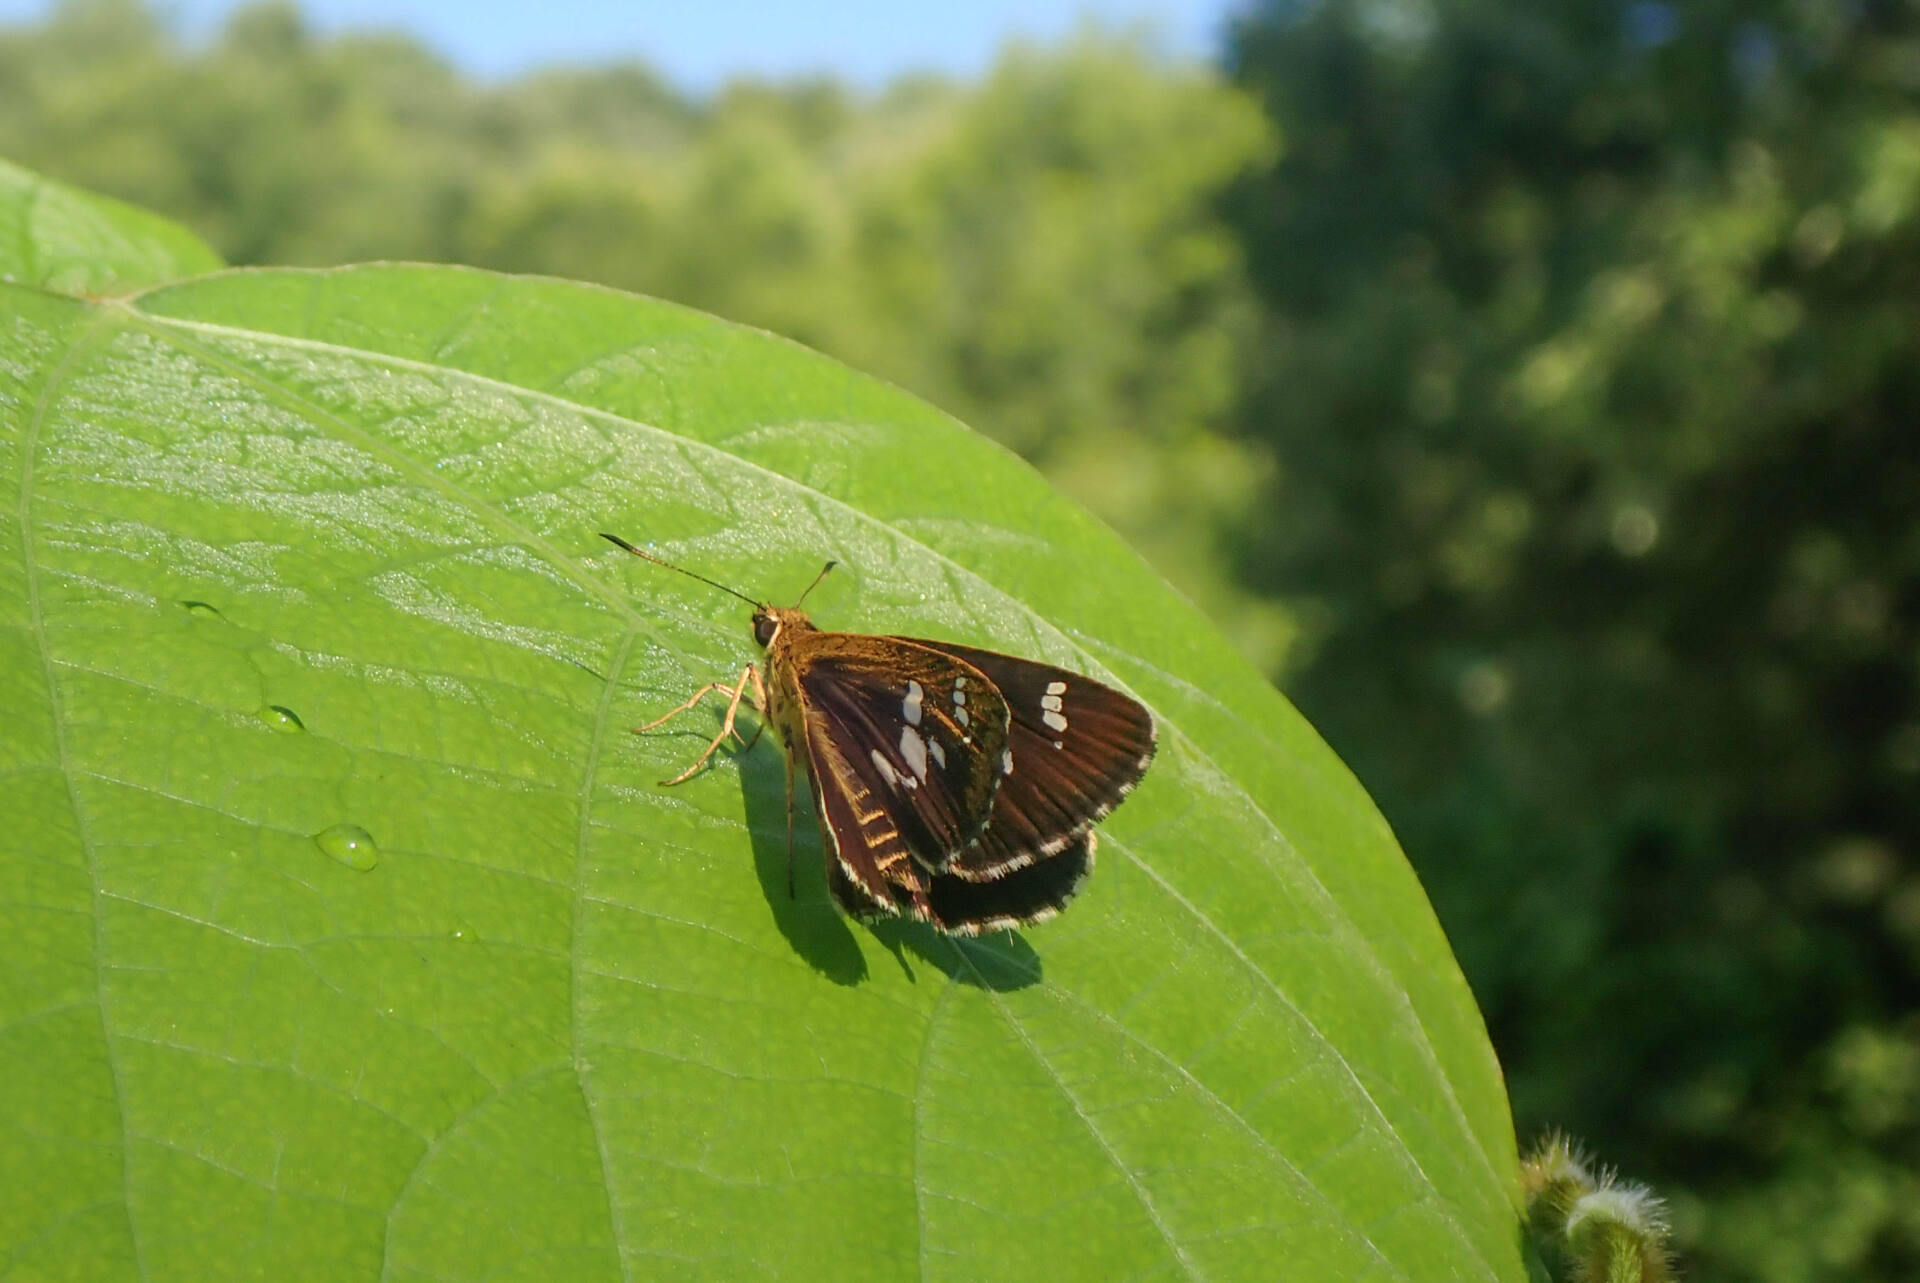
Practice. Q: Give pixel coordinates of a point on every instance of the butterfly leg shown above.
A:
(749, 679)
(790, 894)
(693, 701)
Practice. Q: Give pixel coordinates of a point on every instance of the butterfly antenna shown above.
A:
(816, 582)
(618, 542)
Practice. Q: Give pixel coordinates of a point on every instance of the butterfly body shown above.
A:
(954, 786)
(780, 632)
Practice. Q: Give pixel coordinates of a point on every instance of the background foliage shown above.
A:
(1529, 388)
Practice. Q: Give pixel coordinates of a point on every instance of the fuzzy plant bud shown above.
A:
(1598, 1228)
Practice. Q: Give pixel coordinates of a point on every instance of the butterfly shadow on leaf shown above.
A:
(819, 932)
(807, 918)
(1001, 961)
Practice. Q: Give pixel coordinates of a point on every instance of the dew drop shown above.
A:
(281, 718)
(202, 609)
(350, 844)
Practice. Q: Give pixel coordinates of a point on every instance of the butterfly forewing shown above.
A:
(869, 868)
(904, 746)
(1075, 748)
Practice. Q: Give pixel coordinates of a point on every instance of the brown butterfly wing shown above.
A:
(869, 867)
(904, 745)
(890, 709)
(1026, 895)
(1033, 892)
(1077, 747)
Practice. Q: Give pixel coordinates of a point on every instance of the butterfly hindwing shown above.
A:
(904, 745)
(1076, 747)
(1033, 893)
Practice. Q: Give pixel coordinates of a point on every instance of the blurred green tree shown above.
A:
(1593, 371)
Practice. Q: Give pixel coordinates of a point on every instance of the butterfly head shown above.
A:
(770, 622)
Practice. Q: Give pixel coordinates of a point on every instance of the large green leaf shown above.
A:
(301, 550)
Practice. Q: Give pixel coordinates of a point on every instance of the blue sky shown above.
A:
(700, 43)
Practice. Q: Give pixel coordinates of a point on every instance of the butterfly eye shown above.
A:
(764, 628)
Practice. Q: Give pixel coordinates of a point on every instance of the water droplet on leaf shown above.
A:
(350, 844)
(281, 718)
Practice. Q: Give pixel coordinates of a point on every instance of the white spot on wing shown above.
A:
(1006, 762)
(939, 754)
(1056, 688)
(960, 716)
(959, 698)
(914, 749)
(1051, 703)
(1054, 721)
(887, 773)
(910, 707)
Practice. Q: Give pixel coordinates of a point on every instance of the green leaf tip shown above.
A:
(67, 241)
